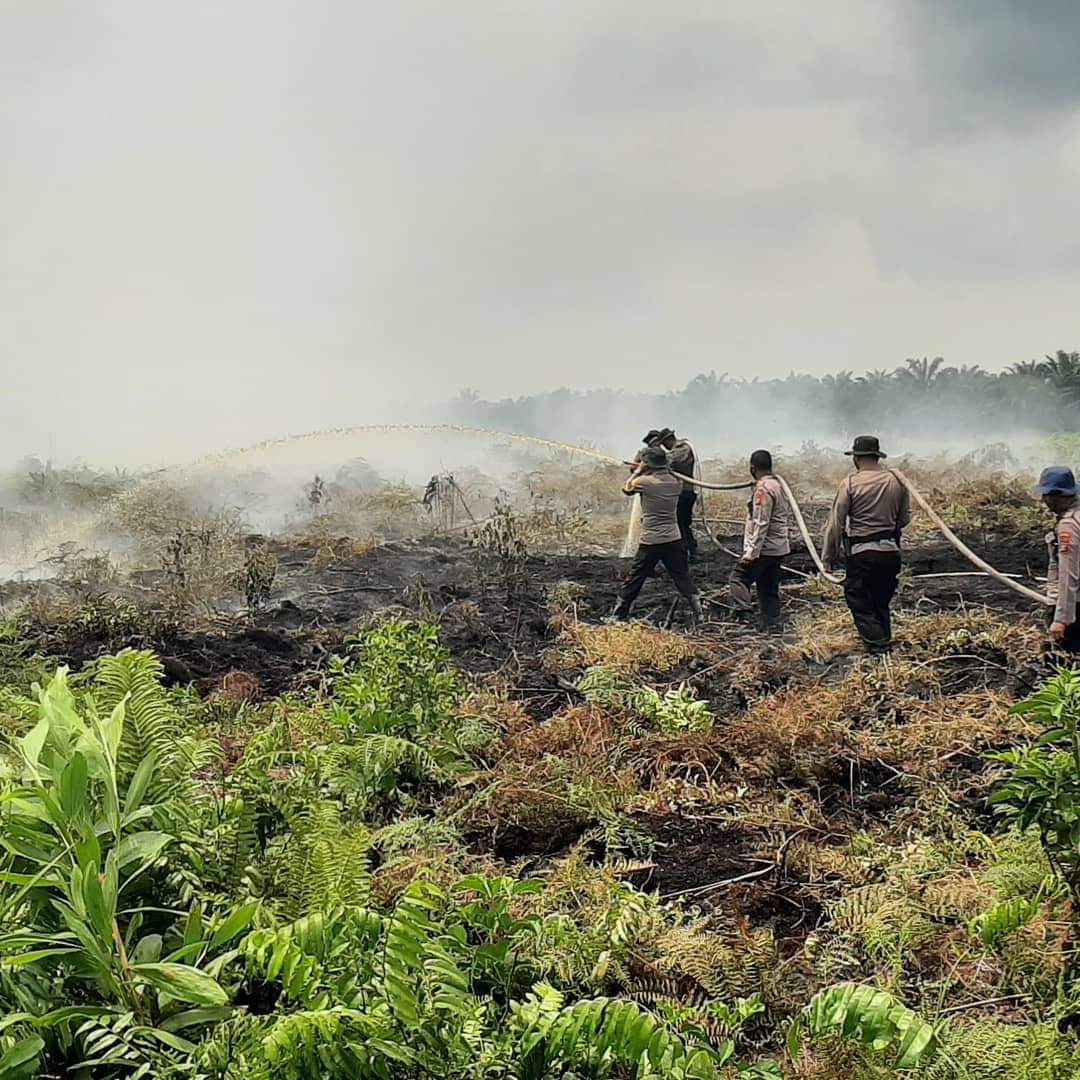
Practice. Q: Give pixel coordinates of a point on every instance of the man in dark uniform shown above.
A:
(1059, 492)
(661, 542)
(683, 460)
(870, 510)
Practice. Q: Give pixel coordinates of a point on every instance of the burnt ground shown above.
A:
(492, 626)
(487, 624)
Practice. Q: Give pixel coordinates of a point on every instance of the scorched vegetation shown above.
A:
(318, 807)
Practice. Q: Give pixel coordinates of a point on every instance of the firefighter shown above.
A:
(650, 438)
(683, 460)
(1057, 486)
(660, 542)
(870, 510)
(765, 543)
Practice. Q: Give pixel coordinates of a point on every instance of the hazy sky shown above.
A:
(225, 219)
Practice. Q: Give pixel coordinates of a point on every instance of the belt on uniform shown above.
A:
(871, 538)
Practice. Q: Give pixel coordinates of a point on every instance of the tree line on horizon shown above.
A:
(923, 396)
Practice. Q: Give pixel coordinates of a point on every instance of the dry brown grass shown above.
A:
(974, 630)
(935, 732)
(586, 731)
(621, 647)
(825, 633)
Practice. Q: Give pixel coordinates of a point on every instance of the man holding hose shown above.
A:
(765, 543)
(683, 460)
(661, 541)
(871, 508)
(1059, 492)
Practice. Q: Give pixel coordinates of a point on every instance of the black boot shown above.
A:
(697, 613)
(621, 612)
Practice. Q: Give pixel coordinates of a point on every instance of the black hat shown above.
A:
(650, 435)
(665, 433)
(654, 457)
(866, 446)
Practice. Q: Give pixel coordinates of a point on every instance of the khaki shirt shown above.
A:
(767, 512)
(870, 502)
(1063, 576)
(659, 492)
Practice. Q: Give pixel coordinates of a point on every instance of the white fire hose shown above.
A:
(917, 495)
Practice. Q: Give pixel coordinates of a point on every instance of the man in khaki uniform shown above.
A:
(1059, 492)
(870, 510)
(765, 543)
(661, 541)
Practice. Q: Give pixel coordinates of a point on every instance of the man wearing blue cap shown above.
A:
(1057, 486)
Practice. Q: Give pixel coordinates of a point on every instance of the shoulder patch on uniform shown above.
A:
(759, 496)
(1066, 540)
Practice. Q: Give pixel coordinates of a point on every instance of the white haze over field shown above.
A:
(225, 222)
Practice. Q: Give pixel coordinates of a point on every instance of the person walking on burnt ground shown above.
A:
(765, 543)
(871, 509)
(661, 541)
(1057, 486)
(683, 460)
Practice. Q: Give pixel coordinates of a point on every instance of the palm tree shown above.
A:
(1062, 372)
(1027, 368)
(922, 372)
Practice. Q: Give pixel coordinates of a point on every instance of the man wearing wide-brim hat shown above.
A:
(1057, 486)
(870, 511)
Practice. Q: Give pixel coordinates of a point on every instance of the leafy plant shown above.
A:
(81, 850)
(675, 712)
(869, 1016)
(1043, 786)
(396, 680)
(500, 547)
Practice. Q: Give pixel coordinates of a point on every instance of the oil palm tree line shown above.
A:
(922, 395)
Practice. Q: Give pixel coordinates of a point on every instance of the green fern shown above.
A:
(375, 764)
(1004, 918)
(602, 1034)
(334, 1043)
(869, 1016)
(410, 931)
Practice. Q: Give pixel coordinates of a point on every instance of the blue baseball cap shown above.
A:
(1057, 480)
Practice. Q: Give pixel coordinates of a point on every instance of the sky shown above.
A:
(226, 221)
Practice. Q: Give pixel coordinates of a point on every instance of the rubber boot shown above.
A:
(697, 614)
(621, 612)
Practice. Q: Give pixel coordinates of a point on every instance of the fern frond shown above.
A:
(1004, 918)
(408, 935)
(334, 1043)
(870, 1016)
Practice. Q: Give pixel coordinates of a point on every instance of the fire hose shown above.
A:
(934, 516)
(953, 539)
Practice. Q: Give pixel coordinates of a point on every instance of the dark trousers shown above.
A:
(764, 572)
(672, 555)
(685, 516)
(1070, 643)
(869, 588)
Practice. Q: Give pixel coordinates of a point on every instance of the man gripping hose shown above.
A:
(683, 460)
(1057, 486)
(661, 541)
(871, 509)
(765, 543)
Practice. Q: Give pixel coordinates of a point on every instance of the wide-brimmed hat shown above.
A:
(866, 446)
(1057, 480)
(654, 457)
(650, 436)
(665, 433)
